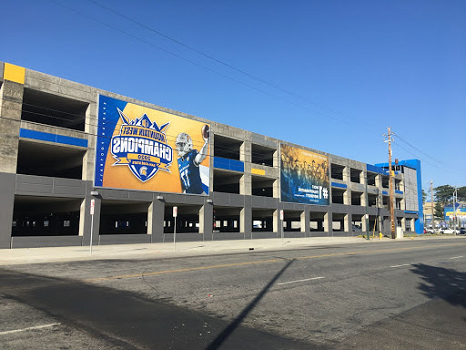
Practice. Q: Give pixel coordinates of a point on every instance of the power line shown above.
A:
(420, 151)
(208, 56)
(274, 97)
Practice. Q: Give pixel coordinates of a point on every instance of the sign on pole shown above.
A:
(175, 214)
(92, 206)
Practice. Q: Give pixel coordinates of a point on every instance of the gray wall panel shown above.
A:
(236, 200)
(46, 241)
(141, 196)
(69, 187)
(34, 184)
(7, 197)
(113, 194)
(122, 239)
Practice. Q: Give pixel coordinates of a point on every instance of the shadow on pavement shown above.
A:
(444, 283)
(222, 337)
(124, 319)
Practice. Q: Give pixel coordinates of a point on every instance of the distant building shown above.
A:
(73, 156)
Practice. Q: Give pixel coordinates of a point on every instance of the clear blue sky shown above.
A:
(329, 75)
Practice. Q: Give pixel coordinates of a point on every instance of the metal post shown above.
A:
(92, 208)
(282, 230)
(455, 195)
(92, 229)
(175, 215)
(174, 235)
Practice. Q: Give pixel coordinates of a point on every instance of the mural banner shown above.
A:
(304, 176)
(140, 148)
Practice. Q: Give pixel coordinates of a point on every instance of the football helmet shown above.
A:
(184, 144)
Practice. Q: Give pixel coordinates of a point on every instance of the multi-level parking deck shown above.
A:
(65, 145)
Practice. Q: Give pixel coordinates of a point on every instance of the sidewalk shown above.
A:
(167, 250)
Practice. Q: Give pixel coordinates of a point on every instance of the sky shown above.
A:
(329, 75)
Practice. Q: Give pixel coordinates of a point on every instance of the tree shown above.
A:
(444, 194)
(462, 193)
(438, 210)
(424, 196)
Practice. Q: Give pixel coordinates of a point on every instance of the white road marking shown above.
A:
(400, 265)
(307, 279)
(456, 257)
(29, 328)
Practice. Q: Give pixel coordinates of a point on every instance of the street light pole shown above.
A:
(455, 196)
(367, 205)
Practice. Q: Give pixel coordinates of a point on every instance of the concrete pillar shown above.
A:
(11, 101)
(206, 220)
(245, 185)
(276, 222)
(328, 218)
(386, 226)
(379, 199)
(305, 221)
(378, 182)
(348, 223)
(364, 227)
(90, 155)
(347, 175)
(155, 219)
(347, 196)
(276, 159)
(245, 220)
(276, 189)
(245, 152)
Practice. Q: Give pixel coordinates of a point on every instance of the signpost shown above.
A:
(92, 222)
(175, 214)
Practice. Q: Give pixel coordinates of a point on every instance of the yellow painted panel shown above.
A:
(257, 171)
(14, 73)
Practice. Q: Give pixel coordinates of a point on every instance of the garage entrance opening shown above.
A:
(45, 216)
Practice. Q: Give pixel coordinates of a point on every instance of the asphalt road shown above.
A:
(401, 295)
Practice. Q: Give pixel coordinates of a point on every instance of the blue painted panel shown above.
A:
(45, 136)
(68, 140)
(411, 212)
(385, 193)
(228, 164)
(336, 184)
(399, 192)
(376, 169)
(36, 135)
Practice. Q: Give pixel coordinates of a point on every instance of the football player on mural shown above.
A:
(189, 160)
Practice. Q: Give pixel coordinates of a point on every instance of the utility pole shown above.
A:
(432, 202)
(390, 183)
(455, 199)
(366, 217)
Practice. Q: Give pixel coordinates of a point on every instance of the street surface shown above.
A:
(397, 295)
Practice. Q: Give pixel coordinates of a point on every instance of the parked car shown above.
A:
(450, 231)
(462, 231)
